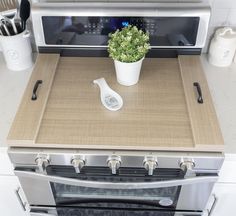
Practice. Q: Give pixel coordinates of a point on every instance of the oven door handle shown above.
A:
(115, 185)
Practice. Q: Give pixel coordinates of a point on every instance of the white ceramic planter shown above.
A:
(128, 73)
(17, 51)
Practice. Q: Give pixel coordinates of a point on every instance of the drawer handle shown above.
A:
(36, 85)
(23, 205)
(199, 91)
(210, 212)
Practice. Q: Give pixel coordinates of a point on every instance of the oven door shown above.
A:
(132, 192)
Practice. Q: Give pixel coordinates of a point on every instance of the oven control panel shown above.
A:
(105, 25)
(94, 30)
(116, 160)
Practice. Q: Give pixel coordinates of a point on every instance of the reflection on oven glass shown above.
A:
(73, 191)
(116, 198)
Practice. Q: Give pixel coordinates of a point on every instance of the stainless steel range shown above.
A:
(67, 182)
(70, 182)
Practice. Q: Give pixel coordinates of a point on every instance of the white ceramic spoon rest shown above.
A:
(109, 98)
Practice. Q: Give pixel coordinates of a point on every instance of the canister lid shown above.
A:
(226, 33)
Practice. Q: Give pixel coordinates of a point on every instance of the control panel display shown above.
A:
(93, 31)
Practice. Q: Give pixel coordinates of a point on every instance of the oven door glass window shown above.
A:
(82, 196)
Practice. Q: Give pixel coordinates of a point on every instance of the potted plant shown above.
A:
(128, 48)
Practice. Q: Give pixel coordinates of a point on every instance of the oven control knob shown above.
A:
(150, 163)
(78, 163)
(42, 162)
(114, 163)
(187, 165)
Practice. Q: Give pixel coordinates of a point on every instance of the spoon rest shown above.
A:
(109, 98)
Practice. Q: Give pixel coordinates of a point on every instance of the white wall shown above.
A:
(223, 14)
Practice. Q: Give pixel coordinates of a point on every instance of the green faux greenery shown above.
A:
(128, 44)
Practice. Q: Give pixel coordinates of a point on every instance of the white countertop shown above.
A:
(222, 84)
(12, 86)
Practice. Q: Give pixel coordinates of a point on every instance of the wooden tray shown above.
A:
(161, 112)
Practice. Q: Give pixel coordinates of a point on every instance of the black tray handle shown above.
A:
(199, 91)
(36, 85)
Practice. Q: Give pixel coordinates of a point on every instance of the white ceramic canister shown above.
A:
(222, 48)
(128, 73)
(17, 51)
